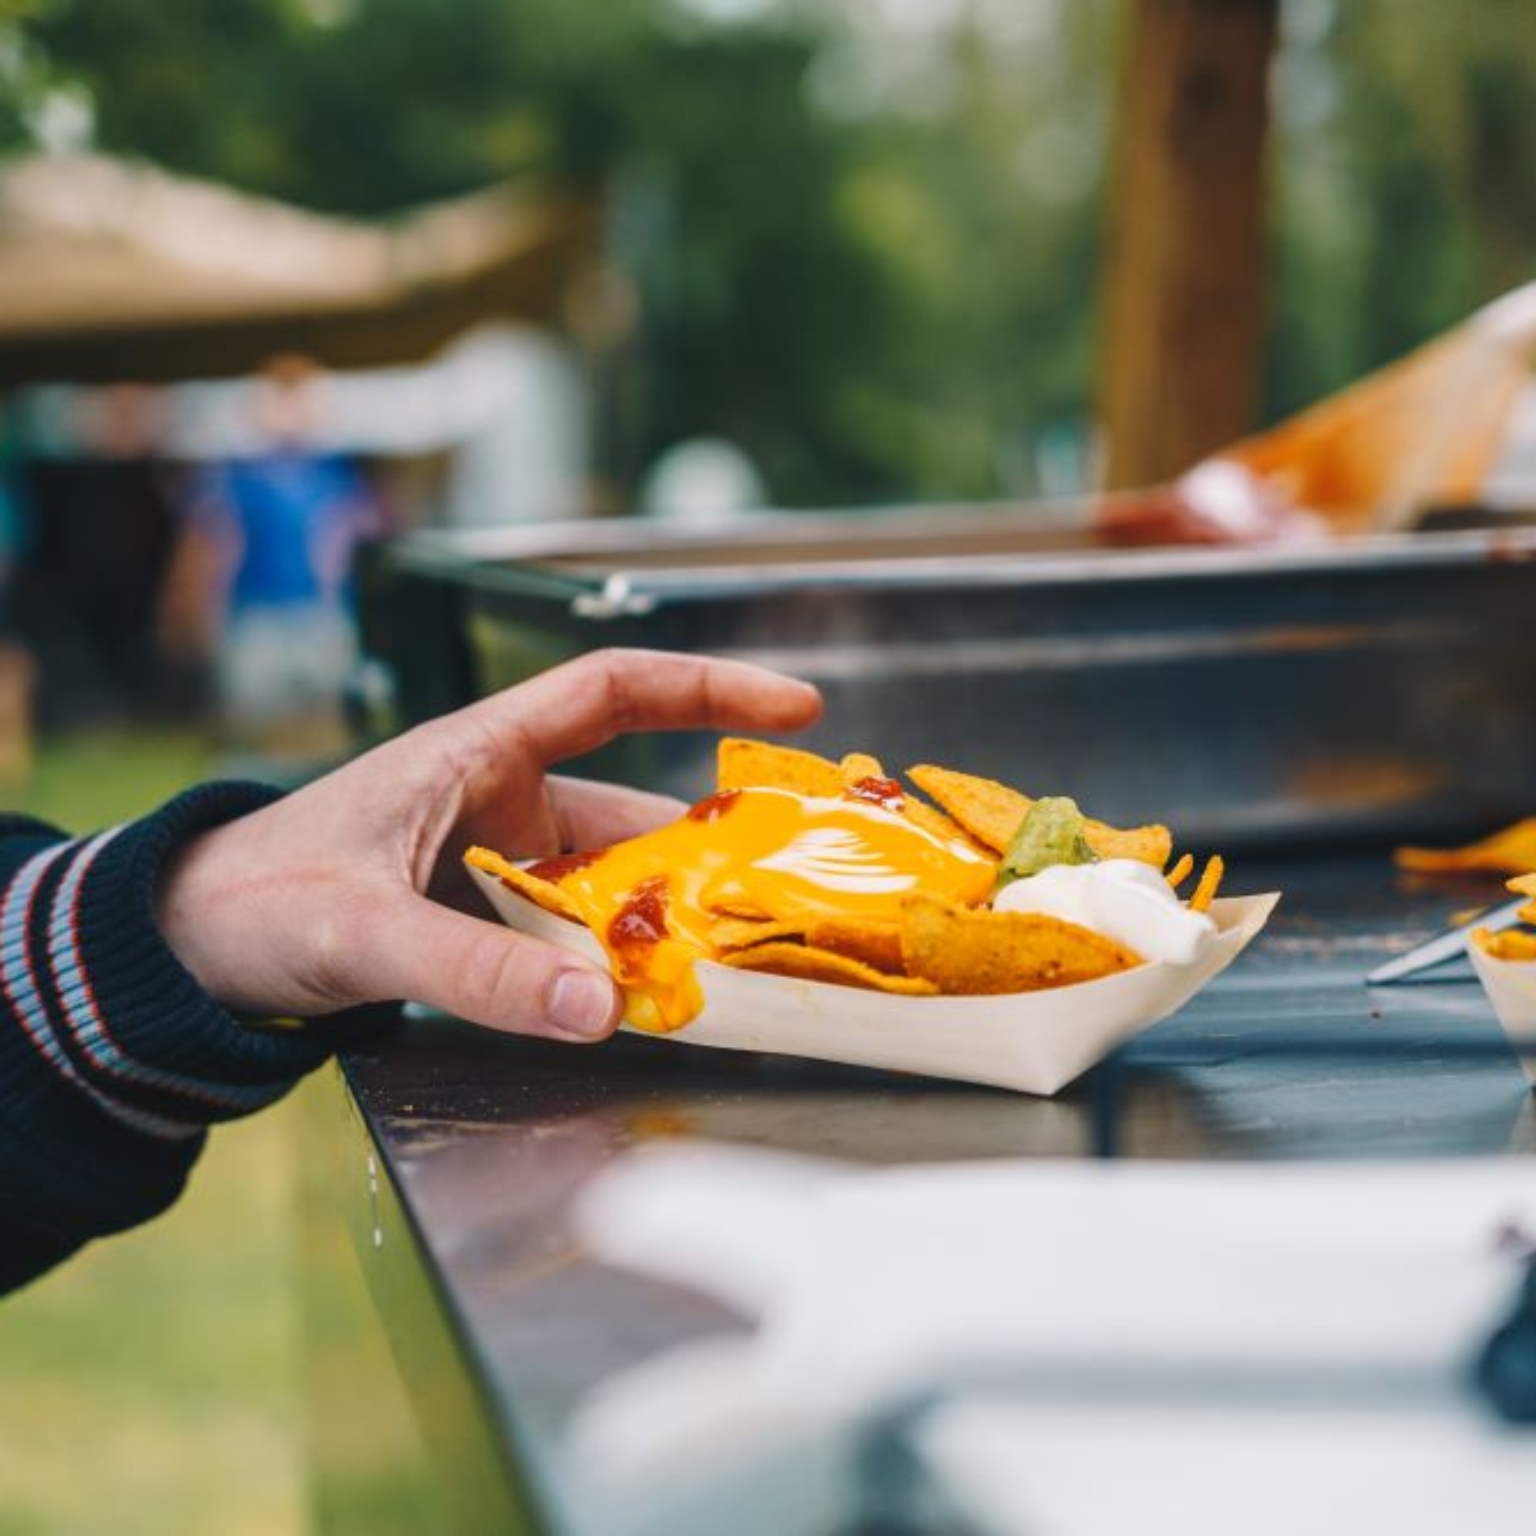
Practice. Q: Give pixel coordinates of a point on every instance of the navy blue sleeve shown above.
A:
(113, 1061)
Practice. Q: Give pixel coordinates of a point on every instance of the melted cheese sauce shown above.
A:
(762, 853)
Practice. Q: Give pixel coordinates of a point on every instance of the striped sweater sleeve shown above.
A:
(113, 1062)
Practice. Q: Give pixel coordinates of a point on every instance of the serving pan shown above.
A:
(1377, 687)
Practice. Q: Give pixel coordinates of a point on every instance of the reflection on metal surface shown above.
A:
(400, 1439)
(1038, 653)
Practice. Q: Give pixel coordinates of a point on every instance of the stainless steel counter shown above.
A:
(454, 1155)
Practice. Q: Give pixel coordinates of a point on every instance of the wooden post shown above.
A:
(1183, 342)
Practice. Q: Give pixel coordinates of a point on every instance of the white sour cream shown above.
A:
(1123, 899)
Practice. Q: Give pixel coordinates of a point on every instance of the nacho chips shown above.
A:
(743, 764)
(543, 893)
(1511, 944)
(840, 891)
(875, 944)
(1182, 870)
(991, 813)
(811, 964)
(971, 951)
(858, 766)
(1210, 883)
(729, 932)
(1505, 853)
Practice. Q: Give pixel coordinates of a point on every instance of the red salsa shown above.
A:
(641, 923)
(713, 807)
(557, 868)
(882, 792)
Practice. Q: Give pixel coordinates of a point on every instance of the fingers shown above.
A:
(572, 815)
(578, 707)
(486, 973)
(598, 815)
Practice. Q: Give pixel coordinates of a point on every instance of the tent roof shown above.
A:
(115, 268)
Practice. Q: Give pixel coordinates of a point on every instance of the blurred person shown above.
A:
(152, 976)
(263, 573)
(102, 533)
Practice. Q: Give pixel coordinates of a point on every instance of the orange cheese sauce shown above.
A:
(751, 852)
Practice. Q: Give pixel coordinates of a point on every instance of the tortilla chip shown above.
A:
(1511, 944)
(1181, 871)
(874, 944)
(859, 765)
(989, 811)
(937, 824)
(810, 964)
(966, 951)
(992, 813)
(1210, 883)
(746, 764)
(728, 933)
(543, 893)
(1148, 845)
(1526, 886)
(1505, 853)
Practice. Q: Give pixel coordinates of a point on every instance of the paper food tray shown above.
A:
(1036, 1042)
(1511, 988)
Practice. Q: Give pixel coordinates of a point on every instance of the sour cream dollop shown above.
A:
(1123, 899)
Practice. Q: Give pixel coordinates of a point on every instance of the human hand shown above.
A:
(350, 890)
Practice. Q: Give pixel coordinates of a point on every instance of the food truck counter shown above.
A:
(452, 1158)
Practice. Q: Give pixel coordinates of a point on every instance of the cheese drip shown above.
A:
(758, 853)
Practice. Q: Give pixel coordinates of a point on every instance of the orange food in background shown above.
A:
(1509, 852)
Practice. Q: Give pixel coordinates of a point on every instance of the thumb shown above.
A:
(486, 973)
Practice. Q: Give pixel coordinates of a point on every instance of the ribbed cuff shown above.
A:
(156, 1037)
(108, 1006)
(113, 1061)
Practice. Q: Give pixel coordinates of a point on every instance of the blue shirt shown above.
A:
(294, 519)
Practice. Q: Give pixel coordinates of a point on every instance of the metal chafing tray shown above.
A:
(1381, 686)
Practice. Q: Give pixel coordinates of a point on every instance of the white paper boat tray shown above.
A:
(1034, 1042)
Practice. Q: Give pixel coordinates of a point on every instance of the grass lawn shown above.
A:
(150, 1386)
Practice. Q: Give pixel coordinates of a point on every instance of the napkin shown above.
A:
(1070, 1318)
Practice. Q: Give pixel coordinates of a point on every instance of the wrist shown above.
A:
(210, 896)
(187, 903)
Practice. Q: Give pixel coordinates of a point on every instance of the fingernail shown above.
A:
(581, 1004)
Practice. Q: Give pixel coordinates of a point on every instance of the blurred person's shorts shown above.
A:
(284, 664)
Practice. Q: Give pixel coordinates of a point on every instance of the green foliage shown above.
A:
(1410, 200)
(870, 254)
(763, 305)
(25, 72)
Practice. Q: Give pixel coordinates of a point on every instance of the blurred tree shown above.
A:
(866, 232)
(26, 72)
(763, 303)
(1406, 194)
